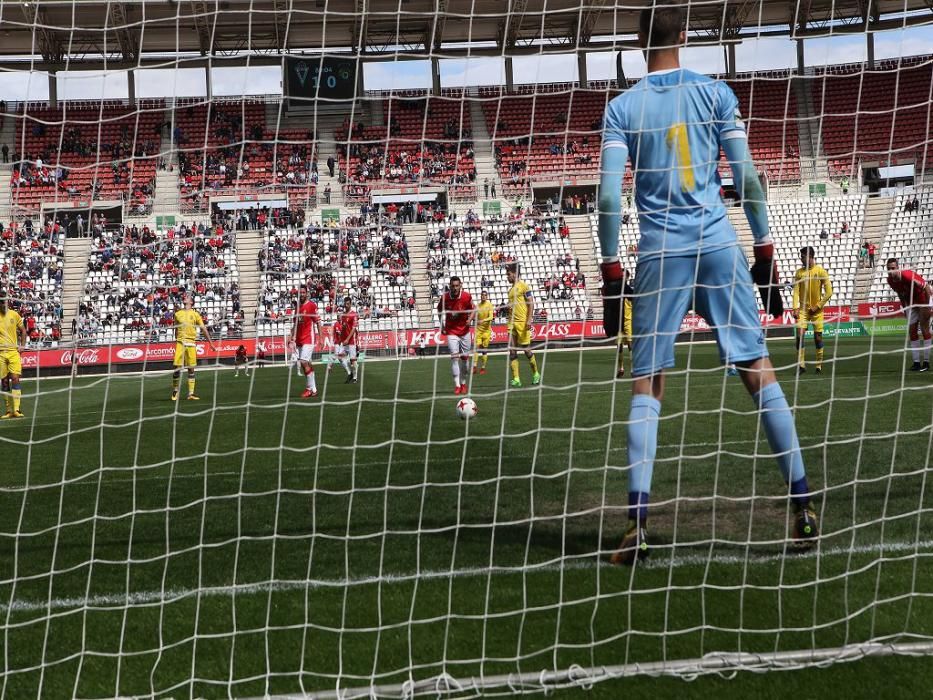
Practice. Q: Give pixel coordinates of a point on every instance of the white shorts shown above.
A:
(349, 350)
(459, 344)
(306, 353)
(913, 314)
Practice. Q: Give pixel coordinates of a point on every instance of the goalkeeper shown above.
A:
(672, 124)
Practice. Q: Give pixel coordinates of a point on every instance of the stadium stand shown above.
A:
(909, 239)
(892, 112)
(137, 278)
(426, 139)
(224, 148)
(794, 224)
(31, 269)
(477, 251)
(367, 257)
(769, 106)
(567, 130)
(82, 152)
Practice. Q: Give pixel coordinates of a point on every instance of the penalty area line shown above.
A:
(170, 595)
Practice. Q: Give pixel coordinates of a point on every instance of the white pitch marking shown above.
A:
(113, 600)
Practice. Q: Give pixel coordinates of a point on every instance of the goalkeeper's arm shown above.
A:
(764, 271)
(614, 158)
(749, 187)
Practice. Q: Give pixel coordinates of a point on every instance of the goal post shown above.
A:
(366, 538)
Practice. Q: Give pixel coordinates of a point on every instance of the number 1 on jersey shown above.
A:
(678, 141)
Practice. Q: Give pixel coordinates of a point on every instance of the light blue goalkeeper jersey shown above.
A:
(672, 124)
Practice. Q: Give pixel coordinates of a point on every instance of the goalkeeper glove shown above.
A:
(613, 285)
(765, 275)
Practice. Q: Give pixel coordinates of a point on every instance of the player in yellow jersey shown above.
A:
(484, 314)
(521, 308)
(812, 289)
(12, 340)
(187, 323)
(625, 337)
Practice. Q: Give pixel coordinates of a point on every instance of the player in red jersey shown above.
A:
(240, 361)
(345, 339)
(915, 294)
(457, 310)
(305, 331)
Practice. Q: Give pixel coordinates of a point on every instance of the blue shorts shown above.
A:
(717, 285)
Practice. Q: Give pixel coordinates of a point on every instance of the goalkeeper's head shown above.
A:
(4, 302)
(663, 27)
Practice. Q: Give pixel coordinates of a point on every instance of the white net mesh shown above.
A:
(256, 542)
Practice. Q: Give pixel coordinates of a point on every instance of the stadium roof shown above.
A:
(85, 34)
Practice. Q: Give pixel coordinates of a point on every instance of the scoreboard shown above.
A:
(313, 77)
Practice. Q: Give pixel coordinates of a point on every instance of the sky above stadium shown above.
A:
(753, 54)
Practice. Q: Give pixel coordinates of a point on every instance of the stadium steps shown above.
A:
(813, 166)
(581, 240)
(6, 193)
(323, 124)
(878, 212)
(248, 245)
(7, 136)
(76, 253)
(167, 199)
(742, 230)
(417, 237)
(482, 150)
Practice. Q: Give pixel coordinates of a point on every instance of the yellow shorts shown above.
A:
(10, 363)
(804, 318)
(521, 336)
(483, 338)
(185, 355)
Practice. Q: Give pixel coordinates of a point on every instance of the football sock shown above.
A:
(174, 384)
(642, 445)
(926, 349)
(346, 364)
(455, 369)
(514, 365)
(485, 359)
(463, 367)
(778, 422)
(191, 386)
(17, 397)
(475, 358)
(819, 356)
(534, 364)
(310, 381)
(915, 350)
(802, 357)
(637, 507)
(353, 367)
(8, 400)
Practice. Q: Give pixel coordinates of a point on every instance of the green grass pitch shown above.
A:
(255, 543)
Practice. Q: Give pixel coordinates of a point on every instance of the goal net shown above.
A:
(210, 511)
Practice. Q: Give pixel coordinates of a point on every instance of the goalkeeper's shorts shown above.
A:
(483, 338)
(715, 284)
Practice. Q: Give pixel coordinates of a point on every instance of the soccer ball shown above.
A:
(466, 409)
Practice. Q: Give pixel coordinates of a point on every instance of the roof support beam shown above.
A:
(434, 34)
(359, 35)
(588, 21)
(128, 38)
(281, 9)
(50, 42)
(510, 26)
(201, 17)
